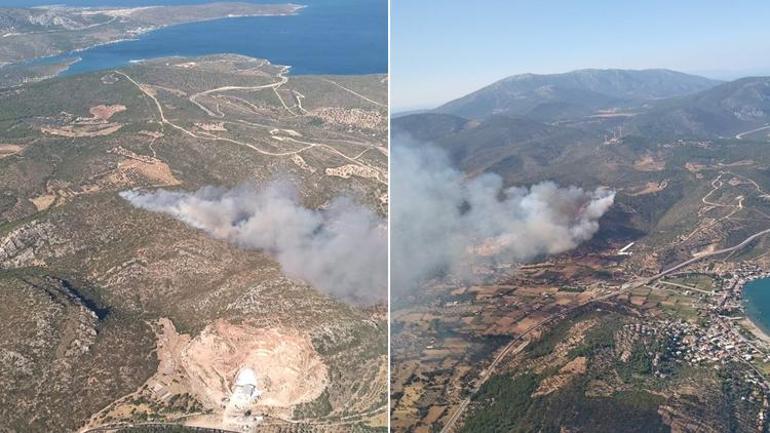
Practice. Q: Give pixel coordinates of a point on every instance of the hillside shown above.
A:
(429, 126)
(120, 305)
(724, 110)
(500, 144)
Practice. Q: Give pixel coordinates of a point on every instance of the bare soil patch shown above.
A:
(7, 150)
(43, 202)
(80, 131)
(649, 163)
(98, 125)
(648, 188)
(105, 112)
(148, 167)
(570, 370)
(285, 362)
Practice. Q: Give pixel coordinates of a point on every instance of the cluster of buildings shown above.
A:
(732, 284)
(720, 338)
(716, 344)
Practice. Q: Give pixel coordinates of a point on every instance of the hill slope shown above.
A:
(725, 110)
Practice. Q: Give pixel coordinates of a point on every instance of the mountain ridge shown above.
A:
(584, 90)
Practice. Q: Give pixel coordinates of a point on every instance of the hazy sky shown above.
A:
(447, 48)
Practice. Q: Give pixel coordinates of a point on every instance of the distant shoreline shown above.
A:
(135, 36)
(312, 38)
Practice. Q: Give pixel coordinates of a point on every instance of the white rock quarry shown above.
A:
(245, 392)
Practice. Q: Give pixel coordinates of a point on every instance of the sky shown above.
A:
(441, 50)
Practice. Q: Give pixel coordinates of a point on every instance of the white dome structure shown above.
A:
(246, 376)
(245, 388)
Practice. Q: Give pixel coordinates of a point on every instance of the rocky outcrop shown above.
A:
(30, 244)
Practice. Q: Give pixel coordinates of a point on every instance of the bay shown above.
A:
(326, 37)
(756, 298)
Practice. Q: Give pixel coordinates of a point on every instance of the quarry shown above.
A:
(237, 375)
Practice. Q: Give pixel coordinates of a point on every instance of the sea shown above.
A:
(326, 37)
(756, 298)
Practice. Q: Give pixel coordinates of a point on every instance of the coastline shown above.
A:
(132, 35)
(33, 73)
(755, 329)
(753, 325)
(307, 36)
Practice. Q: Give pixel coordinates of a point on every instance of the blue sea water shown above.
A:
(326, 37)
(756, 298)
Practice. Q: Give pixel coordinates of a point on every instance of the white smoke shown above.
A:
(444, 222)
(341, 250)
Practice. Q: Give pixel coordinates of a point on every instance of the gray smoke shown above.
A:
(444, 222)
(341, 250)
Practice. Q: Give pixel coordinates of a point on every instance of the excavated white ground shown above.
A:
(288, 369)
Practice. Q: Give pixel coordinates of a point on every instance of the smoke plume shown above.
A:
(444, 222)
(341, 250)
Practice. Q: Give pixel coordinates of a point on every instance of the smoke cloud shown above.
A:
(444, 222)
(341, 250)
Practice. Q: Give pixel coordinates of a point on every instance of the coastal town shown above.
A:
(697, 316)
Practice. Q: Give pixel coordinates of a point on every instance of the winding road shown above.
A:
(274, 86)
(742, 134)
